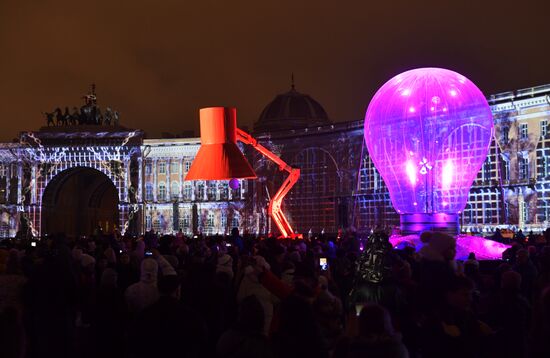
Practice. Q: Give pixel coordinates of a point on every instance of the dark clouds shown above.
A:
(157, 62)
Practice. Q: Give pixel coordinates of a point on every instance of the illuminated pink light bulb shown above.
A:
(449, 138)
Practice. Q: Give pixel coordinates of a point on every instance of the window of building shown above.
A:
(235, 220)
(175, 190)
(3, 171)
(4, 230)
(545, 164)
(162, 167)
(156, 225)
(523, 134)
(467, 216)
(544, 128)
(148, 168)
(211, 190)
(200, 190)
(486, 170)
(187, 166)
(223, 221)
(488, 217)
(523, 164)
(184, 222)
(148, 191)
(148, 222)
(162, 191)
(187, 191)
(210, 220)
(174, 167)
(223, 188)
(524, 212)
(505, 170)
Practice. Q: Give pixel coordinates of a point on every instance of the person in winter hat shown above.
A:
(440, 247)
(436, 269)
(225, 265)
(86, 261)
(250, 285)
(145, 292)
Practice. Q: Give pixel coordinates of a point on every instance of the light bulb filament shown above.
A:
(447, 175)
(424, 166)
(411, 172)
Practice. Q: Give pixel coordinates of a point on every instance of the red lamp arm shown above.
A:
(274, 208)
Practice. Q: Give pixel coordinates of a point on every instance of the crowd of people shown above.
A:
(234, 296)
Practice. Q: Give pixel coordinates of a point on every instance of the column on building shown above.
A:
(168, 180)
(241, 187)
(180, 179)
(8, 177)
(205, 191)
(33, 183)
(126, 185)
(155, 174)
(19, 183)
(140, 180)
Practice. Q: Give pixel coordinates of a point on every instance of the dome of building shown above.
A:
(291, 110)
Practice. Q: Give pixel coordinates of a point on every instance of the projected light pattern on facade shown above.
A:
(40, 157)
(339, 188)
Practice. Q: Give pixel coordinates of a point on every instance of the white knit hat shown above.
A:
(86, 260)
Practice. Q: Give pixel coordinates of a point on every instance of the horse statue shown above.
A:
(66, 116)
(85, 115)
(108, 116)
(60, 120)
(75, 116)
(49, 118)
(116, 117)
(98, 116)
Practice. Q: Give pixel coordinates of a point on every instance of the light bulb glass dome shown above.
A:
(428, 132)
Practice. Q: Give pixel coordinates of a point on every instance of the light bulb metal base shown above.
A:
(440, 222)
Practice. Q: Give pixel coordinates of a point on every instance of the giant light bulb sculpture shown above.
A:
(428, 132)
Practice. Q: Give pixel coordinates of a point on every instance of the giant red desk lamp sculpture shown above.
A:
(219, 158)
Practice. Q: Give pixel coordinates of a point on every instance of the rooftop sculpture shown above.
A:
(88, 114)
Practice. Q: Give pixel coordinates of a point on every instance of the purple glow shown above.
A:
(234, 184)
(484, 249)
(428, 132)
(447, 175)
(411, 172)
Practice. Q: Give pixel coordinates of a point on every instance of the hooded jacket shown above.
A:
(145, 292)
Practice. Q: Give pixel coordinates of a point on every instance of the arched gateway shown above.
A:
(78, 201)
(74, 180)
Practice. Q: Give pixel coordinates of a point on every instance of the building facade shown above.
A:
(339, 187)
(171, 204)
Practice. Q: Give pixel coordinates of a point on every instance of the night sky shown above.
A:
(158, 62)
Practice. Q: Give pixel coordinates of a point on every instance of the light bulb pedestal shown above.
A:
(415, 224)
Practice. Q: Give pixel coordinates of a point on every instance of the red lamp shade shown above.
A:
(219, 157)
